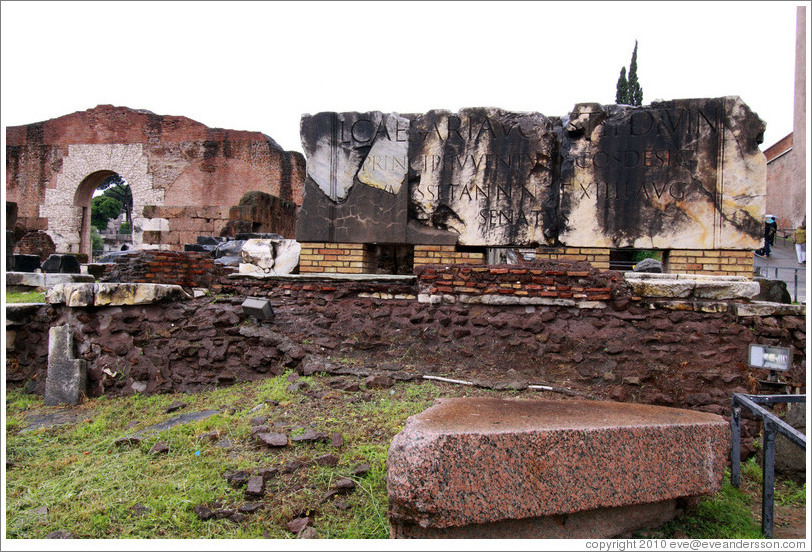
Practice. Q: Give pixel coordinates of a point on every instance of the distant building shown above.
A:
(786, 159)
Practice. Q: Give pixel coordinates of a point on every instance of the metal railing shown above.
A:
(772, 425)
(765, 271)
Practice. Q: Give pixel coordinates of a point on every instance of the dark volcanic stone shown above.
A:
(378, 382)
(774, 291)
(255, 486)
(159, 448)
(203, 512)
(250, 507)
(344, 485)
(337, 440)
(267, 473)
(296, 525)
(237, 478)
(237, 517)
(273, 439)
(361, 470)
(327, 460)
(177, 405)
(293, 466)
(311, 436)
(64, 264)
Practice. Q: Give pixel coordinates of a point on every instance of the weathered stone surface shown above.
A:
(66, 382)
(113, 294)
(66, 264)
(269, 256)
(485, 174)
(649, 265)
(137, 294)
(685, 286)
(765, 308)
(678, 174)
(507, 460)
(774, 291)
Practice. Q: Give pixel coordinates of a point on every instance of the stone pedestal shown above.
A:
(493, 468)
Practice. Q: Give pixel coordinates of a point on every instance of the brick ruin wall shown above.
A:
(168, 161)
(607, 344)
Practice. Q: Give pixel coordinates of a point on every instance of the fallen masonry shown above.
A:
(498, 468)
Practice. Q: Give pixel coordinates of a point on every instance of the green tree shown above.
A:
(116, 187)
(97, 242)
(629, 91)
(102, 209)
(622, 94)
(635, 90)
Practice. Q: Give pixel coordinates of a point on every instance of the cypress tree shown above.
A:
(622, 95)
(635, 93)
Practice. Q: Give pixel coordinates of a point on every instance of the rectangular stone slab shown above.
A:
(481, 460)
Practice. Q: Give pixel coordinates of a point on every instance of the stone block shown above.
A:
(113, 294)
(466, 466)
(270, 256)
(725, 290)
(66, 379)
(65, 264)
(24, 263)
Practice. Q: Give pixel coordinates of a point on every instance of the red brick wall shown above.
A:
(187, 269)
(194, 164)
(575, 281)
(35, 243)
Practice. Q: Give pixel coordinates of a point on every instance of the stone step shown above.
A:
(42, 280)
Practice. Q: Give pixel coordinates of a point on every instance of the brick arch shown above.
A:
(82, 170)
(217, 181)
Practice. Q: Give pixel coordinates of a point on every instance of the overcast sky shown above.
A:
(260, 66)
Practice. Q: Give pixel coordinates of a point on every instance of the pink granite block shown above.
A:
(475, 461)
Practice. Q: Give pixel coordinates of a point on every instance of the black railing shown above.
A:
(772, 424)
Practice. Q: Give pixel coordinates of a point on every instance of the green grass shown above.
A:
(90, 486)
(25, 297)
(728, 513)
(725, 515)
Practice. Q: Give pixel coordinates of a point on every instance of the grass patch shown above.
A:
(726, 515)
(25, 296)
(97, 489)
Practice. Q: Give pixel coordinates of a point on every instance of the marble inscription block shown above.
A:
(682, 174)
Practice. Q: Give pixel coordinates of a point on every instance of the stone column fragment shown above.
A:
(66, 381)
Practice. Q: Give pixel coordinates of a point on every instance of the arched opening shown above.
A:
(103, 195)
